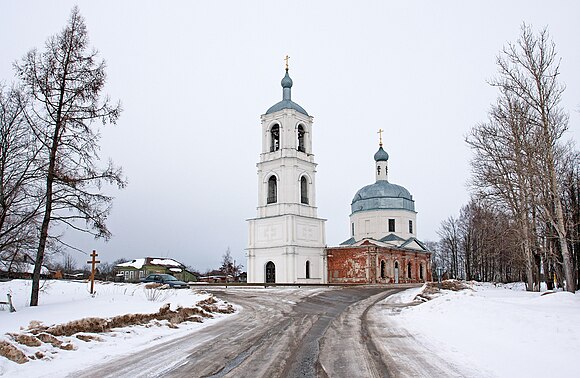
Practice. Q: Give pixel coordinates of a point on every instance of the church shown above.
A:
(287, 238)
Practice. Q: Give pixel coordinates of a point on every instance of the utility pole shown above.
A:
(93, 263)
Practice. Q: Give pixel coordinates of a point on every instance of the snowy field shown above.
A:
(500, 331)
(492, 331)
(63, 301)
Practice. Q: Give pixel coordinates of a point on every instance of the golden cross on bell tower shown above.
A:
(286, 59)
(380, 132)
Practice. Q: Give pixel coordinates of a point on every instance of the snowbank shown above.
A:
(63, 301)
(502, 329)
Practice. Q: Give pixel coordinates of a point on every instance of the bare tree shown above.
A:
(528, 71)
(502, 174)
(449, 247)
(229, 266)
(65, 83)
(19, 202)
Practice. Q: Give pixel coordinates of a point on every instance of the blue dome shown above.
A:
(382, 155)
(286, 81)
(382, 195)
(286, 102)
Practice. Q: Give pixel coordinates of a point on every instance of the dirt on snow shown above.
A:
(85, 329)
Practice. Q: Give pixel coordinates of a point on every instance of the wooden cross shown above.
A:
(286, 59)
(380, 132)
(93, 263)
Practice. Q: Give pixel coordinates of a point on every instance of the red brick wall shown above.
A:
(363, 265)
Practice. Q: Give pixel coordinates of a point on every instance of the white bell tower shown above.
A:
(286, 239)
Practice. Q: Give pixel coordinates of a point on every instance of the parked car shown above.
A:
(165, 279)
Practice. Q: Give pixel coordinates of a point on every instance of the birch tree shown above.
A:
(65, 82)
(528, 72)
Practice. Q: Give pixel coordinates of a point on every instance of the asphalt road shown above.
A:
(287, 332)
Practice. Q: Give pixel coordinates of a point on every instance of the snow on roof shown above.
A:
(175, 269)
(137, 264)
(169, 262)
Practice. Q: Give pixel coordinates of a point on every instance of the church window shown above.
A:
(272, 190)
(307, 269)
(391, 225)
(301, 133)
(304, 190)
(409, 270)
(378, 170)
(421, 271)
(275, 138)
(352, 229)
(410, 226)
(383, 268)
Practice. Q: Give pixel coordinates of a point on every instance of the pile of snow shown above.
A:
(502, 329)
(64, 301)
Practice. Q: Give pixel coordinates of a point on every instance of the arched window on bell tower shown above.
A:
(301, 133)
(304, 190)
(272, 190)
(275, 138)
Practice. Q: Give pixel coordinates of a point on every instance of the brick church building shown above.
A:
(287, 239)
(383, 247)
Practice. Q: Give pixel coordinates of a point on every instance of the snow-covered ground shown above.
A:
(501, 330)
(63, 301)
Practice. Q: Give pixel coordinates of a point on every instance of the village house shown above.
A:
(134, 270)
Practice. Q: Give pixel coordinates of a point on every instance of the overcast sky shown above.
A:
(194, 78)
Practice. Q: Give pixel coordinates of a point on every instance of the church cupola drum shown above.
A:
(286, 239)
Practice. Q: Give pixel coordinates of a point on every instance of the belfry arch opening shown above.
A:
(272, 190)
(275, 138)
(304, 190)
(301, 133)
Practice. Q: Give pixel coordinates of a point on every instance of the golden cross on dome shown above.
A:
(286, 59)
(380, 132)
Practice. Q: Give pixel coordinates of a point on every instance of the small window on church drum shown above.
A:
(301, 133)
(304, 190)
(410, 226)
(378, 170)
(272, 190)
(391, 225)
(275, 138)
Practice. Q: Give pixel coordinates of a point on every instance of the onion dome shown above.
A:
(381, 155)
(286, 102)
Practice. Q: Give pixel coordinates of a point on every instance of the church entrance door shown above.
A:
(270, 272)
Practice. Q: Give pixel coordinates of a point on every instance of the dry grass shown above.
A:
(49, 339)
(432, 289)
(85, 329)
(27, 340)
(12, 353)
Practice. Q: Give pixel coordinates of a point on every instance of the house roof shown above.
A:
(389, 241)
(138, 263)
